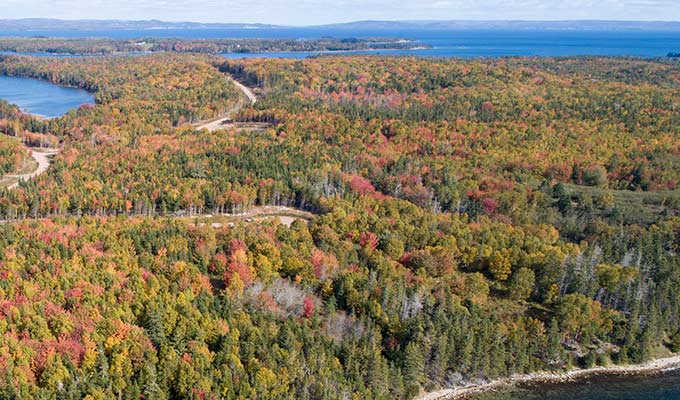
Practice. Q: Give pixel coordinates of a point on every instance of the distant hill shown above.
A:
(59, 24)
(512, 25)
(46, 24)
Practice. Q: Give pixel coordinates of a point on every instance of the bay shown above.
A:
(443, 42)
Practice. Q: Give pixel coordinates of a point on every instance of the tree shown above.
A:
(521, 284)
(477, 288)
(414, 368)
(500, 265)
(595, 176)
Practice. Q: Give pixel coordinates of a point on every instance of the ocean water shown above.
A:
(499, 43)
(444, 43)
(42, 98)
(650, 387)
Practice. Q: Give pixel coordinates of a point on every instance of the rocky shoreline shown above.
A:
(457, 393)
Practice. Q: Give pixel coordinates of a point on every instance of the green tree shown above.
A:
(521, 284)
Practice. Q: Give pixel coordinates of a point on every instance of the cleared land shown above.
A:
(38, 164)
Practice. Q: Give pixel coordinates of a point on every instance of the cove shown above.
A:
(42, 98)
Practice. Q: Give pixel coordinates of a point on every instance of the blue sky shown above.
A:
(304, 12)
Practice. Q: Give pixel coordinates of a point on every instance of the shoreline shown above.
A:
(659, 365)
(310, 53)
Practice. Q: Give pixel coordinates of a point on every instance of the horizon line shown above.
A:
(480, 20)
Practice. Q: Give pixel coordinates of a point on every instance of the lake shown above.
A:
(42, 98)
(651, 387)
(444, 43)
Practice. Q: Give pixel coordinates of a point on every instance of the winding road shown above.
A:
(42, 158)
(215, 124)
(286, 215)
(246, 91)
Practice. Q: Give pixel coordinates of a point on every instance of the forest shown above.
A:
(472, 219)
(106, 46)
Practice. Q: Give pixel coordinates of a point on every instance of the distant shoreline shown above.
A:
(143, 53)
(46, 24)
(651, 367)
(99, 47)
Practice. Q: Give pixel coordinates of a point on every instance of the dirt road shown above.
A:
(43, 158)
(217, 123)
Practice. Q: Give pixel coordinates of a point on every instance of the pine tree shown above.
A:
(414, 368)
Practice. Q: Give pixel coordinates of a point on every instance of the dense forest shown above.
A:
(12, 154)
(106, 46)
(472, 219)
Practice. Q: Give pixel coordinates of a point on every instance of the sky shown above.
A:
(310, 12)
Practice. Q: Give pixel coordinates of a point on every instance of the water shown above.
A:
(654, 387)
(498, 43)
(444, 43)
(42, 98)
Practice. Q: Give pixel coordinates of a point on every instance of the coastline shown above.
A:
(659, 365)
(310, 53)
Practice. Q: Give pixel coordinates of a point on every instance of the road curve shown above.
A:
(43, 160)
(246, 91)
(215, 124)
